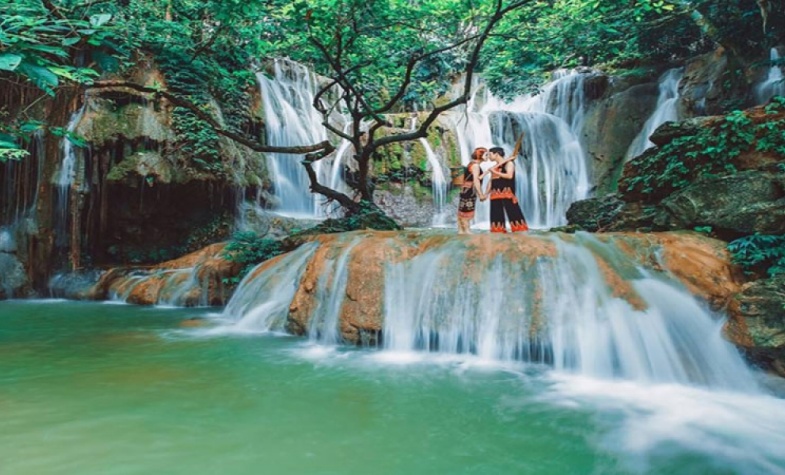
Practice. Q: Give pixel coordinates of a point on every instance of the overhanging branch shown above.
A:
(218, 128)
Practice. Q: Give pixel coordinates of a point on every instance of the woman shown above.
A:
(502, 193)
(470, 190)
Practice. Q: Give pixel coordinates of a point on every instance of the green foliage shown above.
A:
(760, 253)
(248, 249)
(705, 152)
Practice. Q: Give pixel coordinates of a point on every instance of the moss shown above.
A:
(146, 164)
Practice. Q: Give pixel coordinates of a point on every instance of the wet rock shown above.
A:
(672, 130)
(700, 263)
(595, 214)
(757, 322)
(740, 204)
(12, 275)
(197, 279)
(611, 124)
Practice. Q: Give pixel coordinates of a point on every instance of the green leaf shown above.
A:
(71, 41)
(41, 77)
(98, 20)
(9, 62)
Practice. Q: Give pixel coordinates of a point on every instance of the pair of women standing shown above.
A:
(501, 191)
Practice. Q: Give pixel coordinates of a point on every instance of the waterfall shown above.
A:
(578, 303)
(774, 84)
(665, 111)
(438, 179)
(291, 120)
(555, 172)
(330, 292)
(669, 338)
(66, 177)
(262, 299)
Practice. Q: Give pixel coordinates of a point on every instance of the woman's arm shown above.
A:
(477, 182)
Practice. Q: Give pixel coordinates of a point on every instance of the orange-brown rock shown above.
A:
(194, 279)
(700, 263)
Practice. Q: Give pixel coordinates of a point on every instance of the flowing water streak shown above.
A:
(262, 301)
(291, 120)
(774, 84)
(323, 326)
(558, 310)
(66, 176)
(555, 174)
(666, 110)
(438, 179)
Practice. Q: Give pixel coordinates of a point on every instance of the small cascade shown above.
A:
(555, 173)
(66, 177)
(564, 97)
(330, 292)
(438, 179)
(666, 110)
(262, 299)
(291, 120)
(774, 84)
(580, 304)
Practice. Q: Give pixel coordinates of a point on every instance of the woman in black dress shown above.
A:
(470, 190)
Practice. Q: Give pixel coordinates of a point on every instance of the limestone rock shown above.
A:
(194, 279)
(758, 321)
(739, 204)
(611, 124)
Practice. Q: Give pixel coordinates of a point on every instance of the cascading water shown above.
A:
(774, 84)
(66, 176)
(438, 179)
(291, 120)
(555, 174)
(263, 303)
(666, 110)
(553, 304)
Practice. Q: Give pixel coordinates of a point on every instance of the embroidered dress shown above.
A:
(468, 198)
(504, 201)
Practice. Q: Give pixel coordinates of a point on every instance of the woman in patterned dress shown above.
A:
(470, 191)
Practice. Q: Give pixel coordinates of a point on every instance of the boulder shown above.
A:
(757, 322)
(740, 204)
(610, 126)
(12, 275)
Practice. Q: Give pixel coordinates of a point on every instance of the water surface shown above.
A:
(90, 388)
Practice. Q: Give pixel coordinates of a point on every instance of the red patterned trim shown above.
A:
(519, 226)
(466, 214)
(505, 194)
(498, 228)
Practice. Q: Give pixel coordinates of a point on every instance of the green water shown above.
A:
(88, 388)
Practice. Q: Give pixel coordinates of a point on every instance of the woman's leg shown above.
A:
(498, 224)
(515, 215)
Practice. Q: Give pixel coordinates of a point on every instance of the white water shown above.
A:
(438, 179)
(666, 110)
(557, 310)
(774, 84)
(556, 173)
(291, 120)
(65, 178)
(65, 175)
(262, 303)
